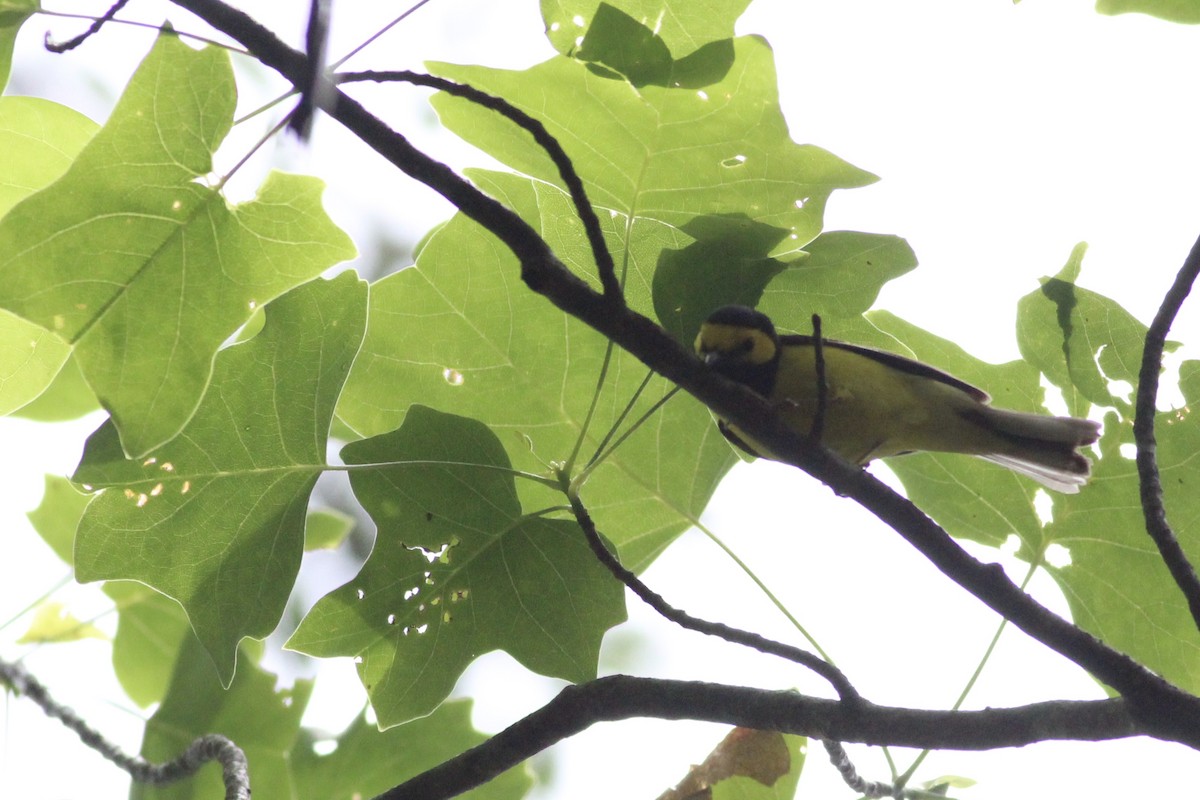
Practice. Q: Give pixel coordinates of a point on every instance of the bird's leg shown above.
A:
(817, 429)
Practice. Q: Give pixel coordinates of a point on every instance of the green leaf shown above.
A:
(215, 518)
(151, 632)
(40, 139)
(616, 42)
(840, 276)
(30, 358)
(368, 761)
(459, 332)
(1116, 583)
(67, 397)
(1186, 11)
(57, 516)
(326, 529)
(262, 720)
(458, 569)
(142, 267)
(1080, 340)
(52, 623)
(680, 28)
(13, 14)
(663, 154)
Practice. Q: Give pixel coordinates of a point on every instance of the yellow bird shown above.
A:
(880, 404)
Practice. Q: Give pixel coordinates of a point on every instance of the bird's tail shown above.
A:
(1044, 448)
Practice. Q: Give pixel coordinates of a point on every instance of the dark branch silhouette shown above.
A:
(75, 41)
(1164, 710)
(562, 162)
(622, 697)
(829, 672)
(1143, 433)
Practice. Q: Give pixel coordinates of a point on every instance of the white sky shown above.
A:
(1003, 135)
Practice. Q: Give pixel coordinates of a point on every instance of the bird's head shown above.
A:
(740, 343)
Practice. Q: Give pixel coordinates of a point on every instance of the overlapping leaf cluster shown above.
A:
(127, 275)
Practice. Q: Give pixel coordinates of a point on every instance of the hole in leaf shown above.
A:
(1058, 556)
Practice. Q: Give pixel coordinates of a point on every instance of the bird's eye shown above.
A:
(746, 346)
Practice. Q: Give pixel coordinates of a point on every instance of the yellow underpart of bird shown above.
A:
(880, 404)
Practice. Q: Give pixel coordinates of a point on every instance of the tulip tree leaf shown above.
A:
(458, 569)
(1080, 340)
(143, 268)
(215, 517)
(1116, 583)
(13, 14)
(39, 139)
(369, 761)
(460, 333)
(263, 720)
(662, 153)
(678, 28)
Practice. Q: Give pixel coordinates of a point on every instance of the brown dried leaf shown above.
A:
(760, 755)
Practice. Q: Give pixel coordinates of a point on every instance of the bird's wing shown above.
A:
(890, 360)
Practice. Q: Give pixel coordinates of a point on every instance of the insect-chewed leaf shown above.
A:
(458, 570)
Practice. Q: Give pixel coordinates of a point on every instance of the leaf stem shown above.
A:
(987, 655)
(37, 601)
(516, 473)
(150, 25)
(569, 465)
(599, 458)
(370, 39)
(620, 418)
(775, 601)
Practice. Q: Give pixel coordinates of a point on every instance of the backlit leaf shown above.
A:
(145, 269)
(458, 569)
(215, 517)
(368, 761)
(681, 27)
(460, 333)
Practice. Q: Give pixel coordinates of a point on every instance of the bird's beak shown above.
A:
(711, 358)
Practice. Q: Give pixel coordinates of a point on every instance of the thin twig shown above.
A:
(566, 169)
(1153, 509)
(71, 44)
(204, 749)
(829, 672)
(375, 36)
(845, 767)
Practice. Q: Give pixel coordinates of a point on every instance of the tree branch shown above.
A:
(1165, 710)
(829, 672)
(214, 747)
(562, 162)
(620, 697)
(1143, 433)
